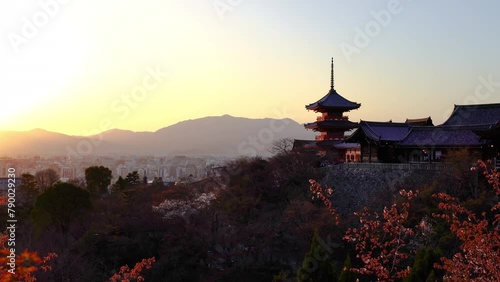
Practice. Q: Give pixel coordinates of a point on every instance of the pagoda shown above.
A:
(332, 124)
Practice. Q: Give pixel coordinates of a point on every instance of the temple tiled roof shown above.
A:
(332, 124)
(383, 131)
(328, 143)
(492, 132)
(301, 145)
(427, 121)
(333, 100)
(347, 145)
(466, 115)
(442, 136)
(468, 126)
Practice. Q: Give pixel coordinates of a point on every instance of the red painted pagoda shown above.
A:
(332, 124)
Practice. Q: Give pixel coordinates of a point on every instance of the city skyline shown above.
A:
(142, 67)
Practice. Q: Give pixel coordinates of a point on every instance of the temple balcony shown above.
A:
(325, 137)
(323, 118)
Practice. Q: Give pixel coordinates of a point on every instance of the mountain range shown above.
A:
(219, 135)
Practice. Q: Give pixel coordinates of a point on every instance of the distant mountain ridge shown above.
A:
(215, 135)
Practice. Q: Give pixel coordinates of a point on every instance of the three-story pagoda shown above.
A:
(332, 124)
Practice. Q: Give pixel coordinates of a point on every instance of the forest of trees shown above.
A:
(266, 220)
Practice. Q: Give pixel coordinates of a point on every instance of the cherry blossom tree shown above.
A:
(381, 241)
(322, 193)
(479, 255)
(27, 264)
(184, 208)
(135, 274)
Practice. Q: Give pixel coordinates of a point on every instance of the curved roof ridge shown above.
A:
(418, 119)
(455, 108)
(409, 131)
(477, 114)
(424, 118)
(333, 100)
(478, 105)
(385, 123)
(368, 127)
(468, 126)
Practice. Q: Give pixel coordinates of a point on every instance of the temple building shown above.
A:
(471, 127)
(378, 140)
(475, 128)
(332, 123)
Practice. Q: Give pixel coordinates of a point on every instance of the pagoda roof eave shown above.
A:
(320, 108)
(328, 143)
(333, 101)
(332, 124)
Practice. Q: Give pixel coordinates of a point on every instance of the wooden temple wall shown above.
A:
(369, 153)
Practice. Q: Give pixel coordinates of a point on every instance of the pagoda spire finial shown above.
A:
(331, 77)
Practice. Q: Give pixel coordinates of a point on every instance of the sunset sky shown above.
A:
(67, 66)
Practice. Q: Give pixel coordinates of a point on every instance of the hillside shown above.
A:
(220, 135)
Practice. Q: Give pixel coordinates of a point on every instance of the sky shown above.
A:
(82, 67)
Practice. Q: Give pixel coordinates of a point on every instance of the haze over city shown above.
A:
(67, 67)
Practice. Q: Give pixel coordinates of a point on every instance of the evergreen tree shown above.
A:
(317, 265)
(133, 178)
(281, 277)
(98, 179)
(432, 277)
(59, 205)
(423, 265)
(346, 275)
(28, 190)
(120, 184)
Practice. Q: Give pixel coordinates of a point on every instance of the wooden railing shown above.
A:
(321, 118)
(325, 137)
(389, 166)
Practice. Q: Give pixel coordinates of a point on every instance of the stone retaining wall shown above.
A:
(356, 187)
